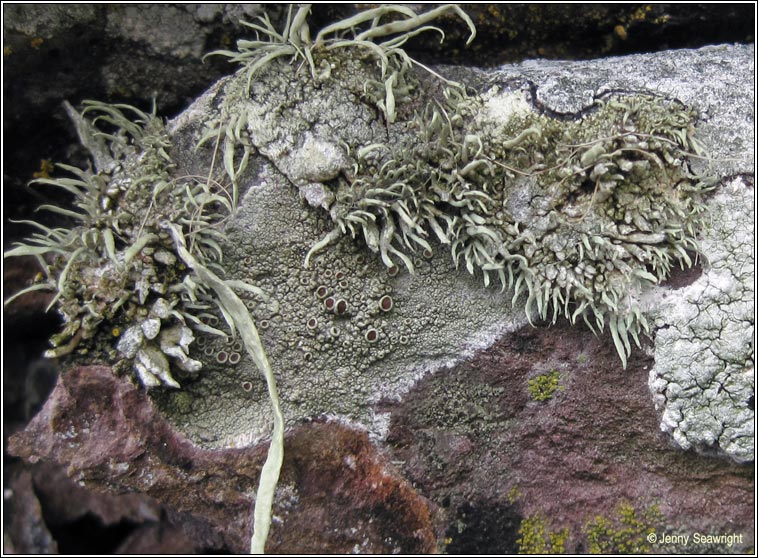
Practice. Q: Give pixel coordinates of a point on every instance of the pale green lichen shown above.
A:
(577, 215)
(485, 182)
(603, 208)
(573, 217)
(141, 256)
(117, 267)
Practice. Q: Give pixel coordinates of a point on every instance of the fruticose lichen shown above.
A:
(140, 258)
(403, 177)
(571, 217)
(578, 215)
(119, 284)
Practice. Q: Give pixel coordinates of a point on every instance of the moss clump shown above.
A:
(534, 537)
(544, 386)
(627, 533)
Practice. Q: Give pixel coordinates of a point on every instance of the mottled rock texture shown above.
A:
(477, 444)
(336, 493)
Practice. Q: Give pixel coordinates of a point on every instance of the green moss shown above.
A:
(535, 537)
(544, 386)
(625, 533)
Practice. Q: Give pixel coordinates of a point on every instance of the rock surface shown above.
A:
(477, 444)
(467, 433)
(336, 493)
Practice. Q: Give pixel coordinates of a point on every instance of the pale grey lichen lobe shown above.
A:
(703, 380)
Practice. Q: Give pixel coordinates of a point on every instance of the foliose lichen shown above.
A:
(579, 215)
(573, 217)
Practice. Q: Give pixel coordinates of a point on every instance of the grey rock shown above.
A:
(714, 79)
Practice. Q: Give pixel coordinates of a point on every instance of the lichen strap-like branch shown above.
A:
(236, 309)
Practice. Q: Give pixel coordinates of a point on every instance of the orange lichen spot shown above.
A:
(45, 168)
(640, 13)
(7, 51)
(36, 42)
(620, 32)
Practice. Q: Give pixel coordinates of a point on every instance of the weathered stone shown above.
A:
(341, 360)
(476, 443)
(336, 494)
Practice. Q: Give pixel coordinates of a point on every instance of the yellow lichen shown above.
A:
(544, 386)
(534, 537)
(45, 168)
(627, 533)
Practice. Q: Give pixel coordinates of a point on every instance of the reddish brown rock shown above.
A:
(26, 530)
(157, 538)
(66, 502)
(335, 493)
(593, 446)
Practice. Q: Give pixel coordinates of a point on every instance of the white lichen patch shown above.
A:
(500, 108)
(703, 381)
